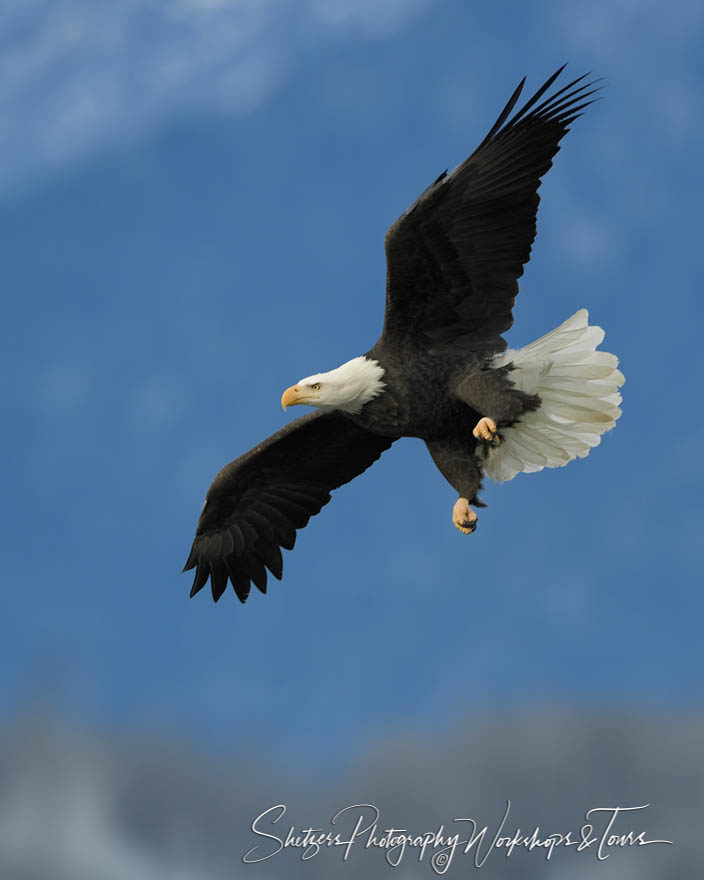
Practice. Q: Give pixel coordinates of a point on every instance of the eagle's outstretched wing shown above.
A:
(257, 502)
(454, 257)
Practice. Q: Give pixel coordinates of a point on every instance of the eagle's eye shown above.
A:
(316, 386)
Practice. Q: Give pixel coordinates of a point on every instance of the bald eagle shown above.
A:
(440, 370)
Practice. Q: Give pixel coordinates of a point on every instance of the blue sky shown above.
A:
(193, 206)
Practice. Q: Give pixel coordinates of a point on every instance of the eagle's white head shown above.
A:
(348, 387)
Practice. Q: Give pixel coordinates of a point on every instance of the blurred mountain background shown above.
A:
(78, 803)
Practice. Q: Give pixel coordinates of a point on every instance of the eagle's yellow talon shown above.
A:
(463, 517)
(485, 429)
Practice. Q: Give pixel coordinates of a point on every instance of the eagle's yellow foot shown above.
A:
(463, 517)
(485, 429)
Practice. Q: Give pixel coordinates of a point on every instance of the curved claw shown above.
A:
(463, 517)
(486, 431)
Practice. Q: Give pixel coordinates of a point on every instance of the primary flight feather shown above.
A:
(440, 370)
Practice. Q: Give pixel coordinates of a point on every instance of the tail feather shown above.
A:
(555, 399)
(578, 387)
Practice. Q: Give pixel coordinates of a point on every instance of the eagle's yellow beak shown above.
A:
(291, 396)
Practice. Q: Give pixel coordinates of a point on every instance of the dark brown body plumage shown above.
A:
(439, 398)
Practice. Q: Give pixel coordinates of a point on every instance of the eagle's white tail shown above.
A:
(578, 386)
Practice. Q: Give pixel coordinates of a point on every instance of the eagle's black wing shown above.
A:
(257, 502)
(454, 257)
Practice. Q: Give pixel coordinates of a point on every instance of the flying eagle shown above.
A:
(440, 370)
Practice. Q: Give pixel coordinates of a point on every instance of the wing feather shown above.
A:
(455, 256)
(270, 554)
(257, 502)
(239, 577)
(218, 579)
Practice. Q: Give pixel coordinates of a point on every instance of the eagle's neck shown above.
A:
(353, 384)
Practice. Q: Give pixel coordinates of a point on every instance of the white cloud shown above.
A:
(373, 17)
(76, 76)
